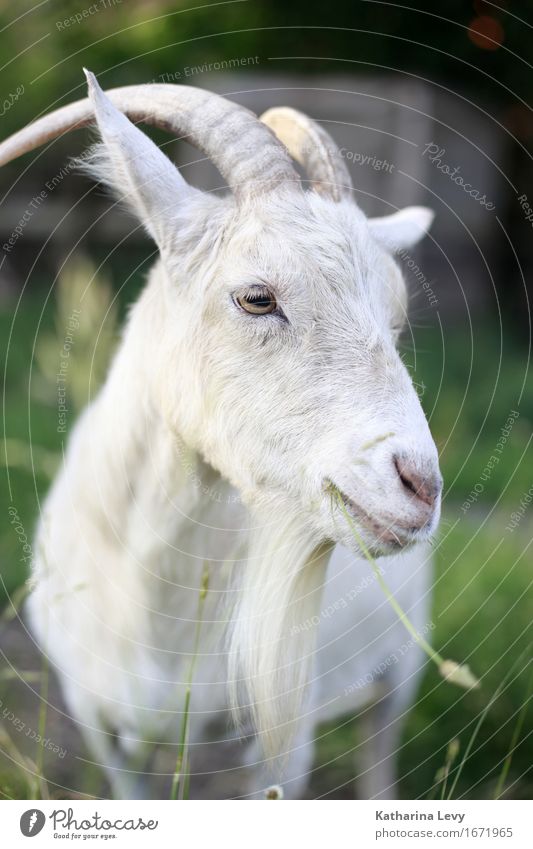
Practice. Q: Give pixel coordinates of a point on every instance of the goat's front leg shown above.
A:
(379, 735)
(130, 775)
(123, 759)
(127, 767)
(381, 726)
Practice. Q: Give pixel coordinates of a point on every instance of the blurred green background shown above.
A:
(469, 357)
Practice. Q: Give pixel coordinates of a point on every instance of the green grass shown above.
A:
(19, 487)
(471, 381)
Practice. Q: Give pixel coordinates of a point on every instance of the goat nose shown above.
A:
(425, 486)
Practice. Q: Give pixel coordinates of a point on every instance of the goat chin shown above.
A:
(269, 656)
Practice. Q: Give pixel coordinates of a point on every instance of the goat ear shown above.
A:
(134, 167)
(402, 229)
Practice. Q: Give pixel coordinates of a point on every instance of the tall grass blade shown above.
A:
(451, 756)
(514, 740)
(180, 790)
(43, 715)
(481, 720)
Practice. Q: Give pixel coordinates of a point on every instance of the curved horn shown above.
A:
(245, 151)
(313, 147)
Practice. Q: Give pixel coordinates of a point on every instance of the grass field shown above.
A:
(471, 385)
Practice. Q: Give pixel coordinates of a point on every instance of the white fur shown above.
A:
(213, 440)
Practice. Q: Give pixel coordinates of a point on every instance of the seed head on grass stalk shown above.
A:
(274, 792)
(451, 671)
(443, 773)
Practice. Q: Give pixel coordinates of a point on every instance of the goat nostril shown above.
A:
(424, 487)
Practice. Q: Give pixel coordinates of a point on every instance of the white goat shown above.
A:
(257, 369)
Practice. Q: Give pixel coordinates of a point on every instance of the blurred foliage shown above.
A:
(77, 327)
(84, 324)
(470, 381)
(126, 42)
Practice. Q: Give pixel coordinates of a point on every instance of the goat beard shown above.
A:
(272, 639)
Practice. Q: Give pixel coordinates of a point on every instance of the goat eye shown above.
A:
(257, 300)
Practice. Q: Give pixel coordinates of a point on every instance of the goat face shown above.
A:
(278, 362)
(289, 378)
